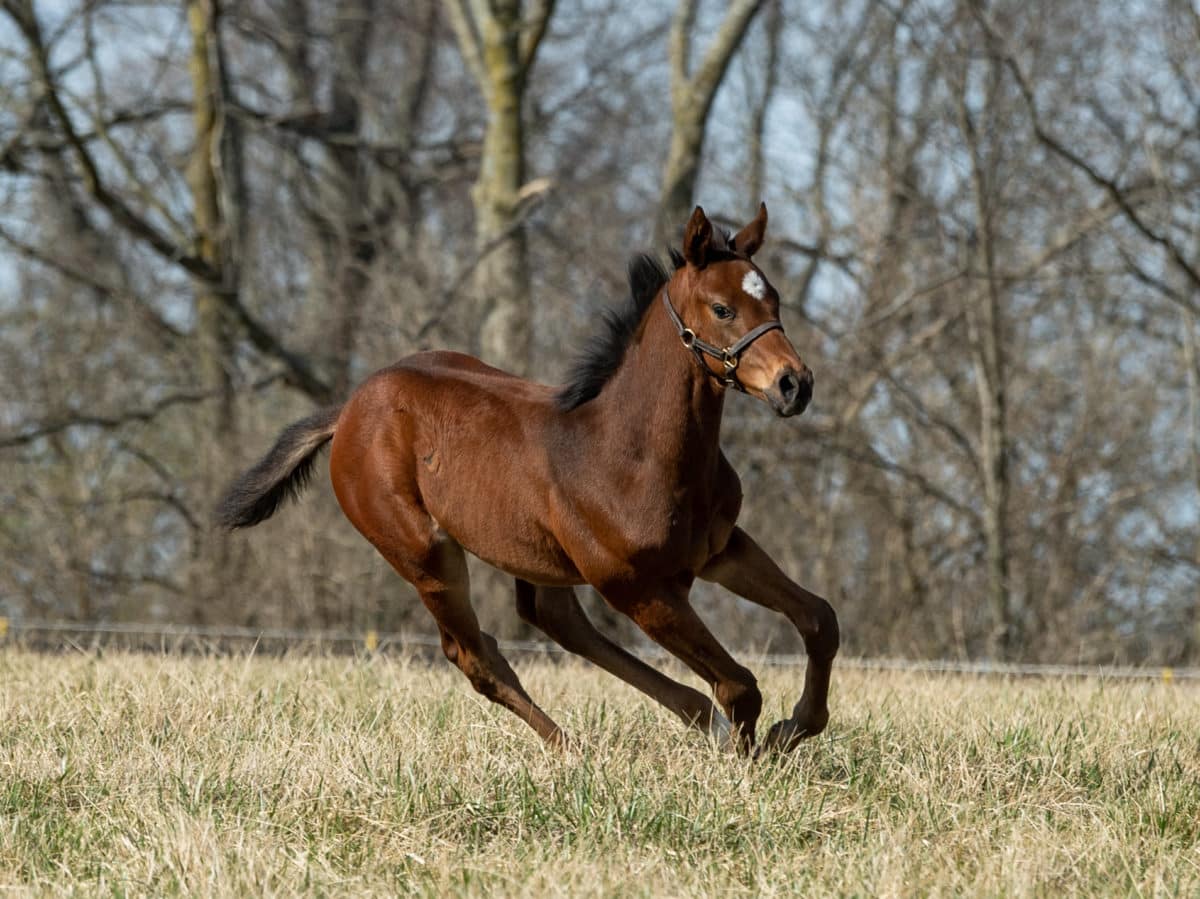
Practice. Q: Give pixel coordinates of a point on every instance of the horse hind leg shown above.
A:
(443, 583)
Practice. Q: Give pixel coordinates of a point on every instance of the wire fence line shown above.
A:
(175, 637)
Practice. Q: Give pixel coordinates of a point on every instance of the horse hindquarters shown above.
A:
(373, 470)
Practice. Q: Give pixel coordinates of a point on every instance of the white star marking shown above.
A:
(754, 285)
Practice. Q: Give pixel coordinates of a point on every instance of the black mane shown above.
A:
(605, 349)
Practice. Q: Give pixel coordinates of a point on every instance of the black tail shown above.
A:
(280, 474)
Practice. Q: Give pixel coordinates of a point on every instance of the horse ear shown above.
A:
(749, 239)
(697, 239)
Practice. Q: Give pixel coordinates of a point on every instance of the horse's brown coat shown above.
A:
(628, 492)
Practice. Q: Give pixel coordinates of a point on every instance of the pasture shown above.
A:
(131, 774)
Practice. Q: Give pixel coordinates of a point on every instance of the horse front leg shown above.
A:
(745, 569)
(557, 612)
(666, 617)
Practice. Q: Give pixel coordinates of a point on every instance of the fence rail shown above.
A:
(175, 637)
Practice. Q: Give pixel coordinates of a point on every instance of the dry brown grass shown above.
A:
(134, 774)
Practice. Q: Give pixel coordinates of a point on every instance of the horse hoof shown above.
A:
(786, 735)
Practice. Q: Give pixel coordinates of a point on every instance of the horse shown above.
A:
(615, 479)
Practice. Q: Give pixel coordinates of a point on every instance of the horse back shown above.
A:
(445, 442)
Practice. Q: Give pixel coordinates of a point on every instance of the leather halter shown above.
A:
(729, 356)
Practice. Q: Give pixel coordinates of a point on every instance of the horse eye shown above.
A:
(722, 312)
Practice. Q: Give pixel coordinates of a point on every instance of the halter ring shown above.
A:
(729, 356)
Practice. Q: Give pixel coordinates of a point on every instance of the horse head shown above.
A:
(727, 314)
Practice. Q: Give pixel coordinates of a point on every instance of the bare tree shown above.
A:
(983, 231)
(774, 28)
(985, 323)
(693, 90)
(499, 43)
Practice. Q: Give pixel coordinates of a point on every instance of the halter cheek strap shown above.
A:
(728, 356)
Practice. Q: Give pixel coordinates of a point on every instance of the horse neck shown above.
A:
(659, 404)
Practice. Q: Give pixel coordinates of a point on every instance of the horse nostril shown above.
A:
(789, 386)
(806, 388)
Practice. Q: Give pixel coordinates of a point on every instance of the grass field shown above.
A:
(148, 775)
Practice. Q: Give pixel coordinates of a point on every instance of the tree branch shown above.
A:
(451, 293)
(533, 32)
(86, 279)
(80, 418)
(139, 227)
(680, 44)
(712, 68)
(120, 577)
(1058, 148)
(466, 32)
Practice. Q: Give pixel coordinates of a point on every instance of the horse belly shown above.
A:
(512, 543)
(652, 540)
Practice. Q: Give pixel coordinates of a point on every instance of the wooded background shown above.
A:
(984, 226)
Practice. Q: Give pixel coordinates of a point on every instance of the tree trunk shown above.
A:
(355, 246)
(215, 331)
(215, 336)
(1192, 364)
(499, 46)
(757, 177)
(499, 42)
(691, 100)
(501, 282)
(985, 326)
(502, 279)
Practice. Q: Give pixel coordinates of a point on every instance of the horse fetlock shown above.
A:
(786, 735)
(811, 722)
(449, 648)
(742, 702)
(782, 737)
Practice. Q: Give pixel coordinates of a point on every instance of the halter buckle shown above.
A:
(730, 356)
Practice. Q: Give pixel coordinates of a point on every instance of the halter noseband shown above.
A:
(729, 356)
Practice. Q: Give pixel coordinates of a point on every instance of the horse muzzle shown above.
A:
(791, 392)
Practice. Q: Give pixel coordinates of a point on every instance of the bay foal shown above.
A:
(615, 480)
